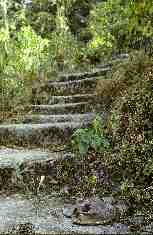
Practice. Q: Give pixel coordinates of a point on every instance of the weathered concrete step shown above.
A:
(38, 118)
(43, 214)
(71, 98)
(86, 85)
(41, 135)
(101, 70)
(62, 108)
(15, 165)
(45, 98)
(95, 73)
(13, 158)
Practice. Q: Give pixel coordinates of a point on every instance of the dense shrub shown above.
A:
(123, 76)
(119, 26)
(130, 124)
(64, 51)
(20, 63)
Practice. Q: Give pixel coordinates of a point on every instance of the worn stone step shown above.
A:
(83, 86)
(45, 98)
(41, 135)
(19, 165)
(101, 70)
(13, 158)
(72, 98)
(62, 108)
(40, 118)
(43, 214)
(95, 73)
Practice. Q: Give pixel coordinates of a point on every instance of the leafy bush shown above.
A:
(124, 75)
(92, 138)
(31, 51)
(130, 125)
(105, 19)
(64, 51)
(20, 62)
(120, 25)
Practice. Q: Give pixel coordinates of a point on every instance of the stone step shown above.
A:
(82, 75)
(18, 165)
(13, 158)
(40, 118)
(45, 98)
(101, 70)
(83, 86)
(72, 98)
(41, 135)
(43, 214)
(62, 108)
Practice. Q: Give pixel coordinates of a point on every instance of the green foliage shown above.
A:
(41, 16)
(125, 186)
(130, 126)
(12, 15)
(124, 75)
(64, 51)
(148, 168)
(31, 51)
(90, 138)
(120, 24)
(140, 17)
(23, 53)
(77, 16)
(5, 48)
(106, 18)
(20, 61)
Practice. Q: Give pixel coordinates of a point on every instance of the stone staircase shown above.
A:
(59, 108)
(68, 105)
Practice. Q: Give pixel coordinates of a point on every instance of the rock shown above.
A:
(72, 98)
(68, 210)
(48, 169)
(8, 177)
(40, 99)
(96, 211)
(18, 165)
(66, 88)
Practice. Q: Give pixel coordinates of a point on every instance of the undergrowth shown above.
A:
(91, 138)
(130, 125)
(129, 160)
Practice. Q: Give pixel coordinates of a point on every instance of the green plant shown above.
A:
(130, 125)
(90, 138)
(126, 185)
(106, 18)
(64, 51)
(31, 51)
(120, 25)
